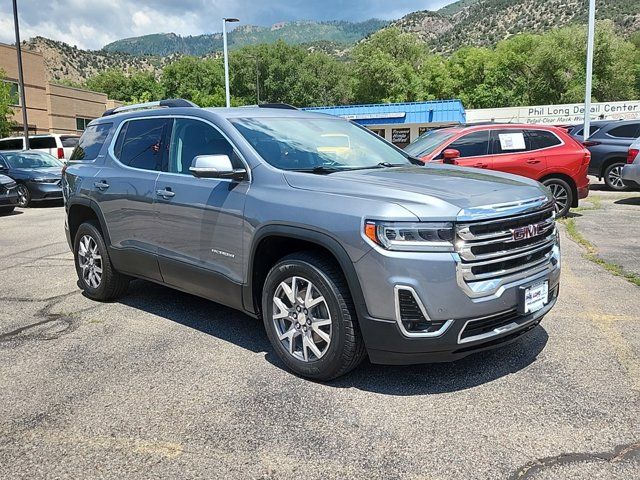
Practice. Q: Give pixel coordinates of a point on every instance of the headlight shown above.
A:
(412, 237)
(45, 180)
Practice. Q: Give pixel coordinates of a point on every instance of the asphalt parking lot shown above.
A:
(165, 385)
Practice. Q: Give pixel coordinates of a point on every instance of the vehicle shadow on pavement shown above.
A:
(11, 214)
(246, 332)
(629, 201)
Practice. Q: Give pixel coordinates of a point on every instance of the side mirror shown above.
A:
(215, 166)
(450, 155)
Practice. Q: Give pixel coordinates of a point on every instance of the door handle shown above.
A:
(533, 161)
(102, 185)
(166, 193)
(481, 165)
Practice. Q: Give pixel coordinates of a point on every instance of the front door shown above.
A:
(473, 148)
(200, 220)
(125, 191)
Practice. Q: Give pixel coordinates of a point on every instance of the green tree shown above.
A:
(6, 111)
(195, 79)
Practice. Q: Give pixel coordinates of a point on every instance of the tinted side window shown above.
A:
(625, 131)
(541, 139)
(13, 144)
(69, 141)
(191, 138)
(42, 142)
(91, 142)
(472, 144)
(509, 140)
(140, 143)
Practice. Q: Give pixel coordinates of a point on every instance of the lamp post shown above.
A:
(21, 76)
(587, 96)
(226, 57)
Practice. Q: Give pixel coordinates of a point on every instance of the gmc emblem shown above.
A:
(523, 233)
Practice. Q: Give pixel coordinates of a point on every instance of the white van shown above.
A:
(58, 145)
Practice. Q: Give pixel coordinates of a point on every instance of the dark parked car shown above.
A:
(37, 174)
(8, 194)
(609, 144)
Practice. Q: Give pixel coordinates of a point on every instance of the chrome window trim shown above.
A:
(405, 332)
(116, 134)
(562, 143)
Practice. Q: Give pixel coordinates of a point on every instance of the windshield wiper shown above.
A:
(320, 170)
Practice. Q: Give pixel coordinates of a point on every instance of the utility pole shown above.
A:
(23, 100)
(587, 96)
(226, 57)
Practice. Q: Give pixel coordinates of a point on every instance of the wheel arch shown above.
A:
(79, 211)
(570, 181)
(616, 158)
(273, 242)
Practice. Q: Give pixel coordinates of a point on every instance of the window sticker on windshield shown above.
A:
(512, 141)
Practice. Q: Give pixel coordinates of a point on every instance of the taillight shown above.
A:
(631, 156)
(60, 153)
(587, 157)
(590, 143)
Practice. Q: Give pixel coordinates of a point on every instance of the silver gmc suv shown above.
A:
(339, 241)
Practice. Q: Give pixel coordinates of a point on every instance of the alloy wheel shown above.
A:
(560, 195)
(615, 177)
(302, 319)
(23, 196)
(90, 261)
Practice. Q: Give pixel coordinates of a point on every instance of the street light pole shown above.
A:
(226, 57)
(587, 96)
(21, 76)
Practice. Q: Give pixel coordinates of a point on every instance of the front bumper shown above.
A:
(44, 191)
(433, 279)
(631, 174)
(9, 199)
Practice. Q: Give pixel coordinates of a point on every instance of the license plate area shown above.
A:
(533, 298)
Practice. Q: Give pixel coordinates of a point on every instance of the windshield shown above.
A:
(428, 142)
(31, 160)
(311, 144)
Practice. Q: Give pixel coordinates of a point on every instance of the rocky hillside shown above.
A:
(344, 33)
(73, 65)
(484, 22)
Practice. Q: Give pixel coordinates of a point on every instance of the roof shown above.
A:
(439, 111)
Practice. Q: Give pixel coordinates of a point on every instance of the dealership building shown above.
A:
(401, 123)
(51, 108)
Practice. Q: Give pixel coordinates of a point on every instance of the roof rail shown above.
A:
(168, 103)
(283, 106)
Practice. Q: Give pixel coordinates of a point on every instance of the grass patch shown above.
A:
(591, 254)
(596, 202)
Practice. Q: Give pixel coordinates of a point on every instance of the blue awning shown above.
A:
(435, 112)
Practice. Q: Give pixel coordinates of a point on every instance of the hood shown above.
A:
(429, 192)
(44, 172)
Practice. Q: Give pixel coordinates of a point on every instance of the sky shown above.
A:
(91, 24)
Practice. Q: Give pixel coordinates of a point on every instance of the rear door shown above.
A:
(200, 221)
(514, 151)
(125, 191)
(473, 148)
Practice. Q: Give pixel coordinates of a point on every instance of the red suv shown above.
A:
(547, 154)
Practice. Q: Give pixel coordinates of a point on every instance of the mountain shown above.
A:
(485, 22)
(72, 65)
(161, 44)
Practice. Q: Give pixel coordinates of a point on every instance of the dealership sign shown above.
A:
(375, 116)
(557, 114)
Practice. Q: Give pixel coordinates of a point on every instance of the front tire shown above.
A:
(309, 317)
(562, 194)
(613, 177)
(24, 196)
(98, 279)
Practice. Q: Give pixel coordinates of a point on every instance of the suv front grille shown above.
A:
(500, 248)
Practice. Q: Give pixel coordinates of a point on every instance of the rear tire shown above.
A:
(613, 177)
(98, 279)
(310, 318)
(562, 194)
